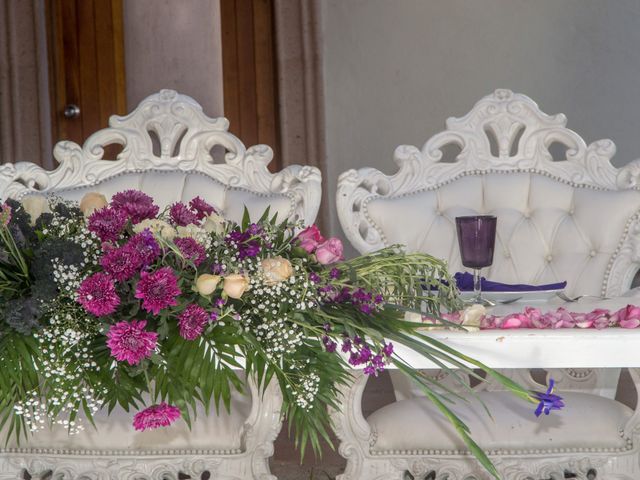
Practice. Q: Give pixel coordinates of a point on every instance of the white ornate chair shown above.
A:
(573, 219)
(167, 143)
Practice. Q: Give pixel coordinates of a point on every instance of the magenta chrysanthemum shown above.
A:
(129, 342)
(137, 205)
(191, 250)
(97, 294)
(122, 263)
(161, 415)
(158, 290)
(192, 322)
(146, 245)
(107, 223)
(181, 214)
(201, 207)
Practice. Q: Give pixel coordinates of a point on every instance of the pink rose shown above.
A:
(329, 251)
(310, 238)
(582, 320)
(562, 318)
(627, 317)
(489, 322)
(599, 318)
(515, 320)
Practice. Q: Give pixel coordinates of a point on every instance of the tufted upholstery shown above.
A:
(548, 231)
(167, 187)
(575, 219)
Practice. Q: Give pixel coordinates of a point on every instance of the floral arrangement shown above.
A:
(107, 303)
(476, 318)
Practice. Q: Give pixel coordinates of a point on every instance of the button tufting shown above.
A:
(527, 215)
(548, 258)
(592, 253)
(507, 255)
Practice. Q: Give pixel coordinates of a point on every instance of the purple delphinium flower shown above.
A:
(122, 263)
(548, 400)
(191, 250)
(217, 269)
(182, 215)
(201, 208)
(245, 242)
(335, 273)
(156, 416)
(314, 277)
(137, 205)
(329, 345)
(220, 302)
(107, 223)
(158, 290)
(388, 349)
(97, 294)
(192, 322)
(146, 245)
(130, 342)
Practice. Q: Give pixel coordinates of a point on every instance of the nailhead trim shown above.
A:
(502, 452)
(119, 453)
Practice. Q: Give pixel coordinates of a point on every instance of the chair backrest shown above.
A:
(170, 148)
(575, 219)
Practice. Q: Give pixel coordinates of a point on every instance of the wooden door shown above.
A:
(249, 73)
(86, 66)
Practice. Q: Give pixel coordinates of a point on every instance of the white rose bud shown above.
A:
(157, 227)
(276, 270)
(35, 205)
(91, 202)
(214, 223)
(206, 283)
(471, 317)
(235, 285)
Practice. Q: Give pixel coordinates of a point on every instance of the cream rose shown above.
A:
(235, 285)
(472, 316)
(214, 223)
(276, 270)
(35, 205)
(91, 202)
(206, 283)
(157, 227)
(193, 231)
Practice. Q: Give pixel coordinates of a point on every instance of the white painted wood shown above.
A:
(185, 136)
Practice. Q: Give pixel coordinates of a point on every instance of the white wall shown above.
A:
(174, 44)
(395, 70)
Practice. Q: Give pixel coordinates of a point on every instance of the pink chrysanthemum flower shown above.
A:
(122, 263)
(161, 415)
(107, 223)
(97, 294)
(146, 245)
(129, 342)
(192, 322)
(201, 207)
(137, 205)
(191, 250)
(181, 215)
(158, 290)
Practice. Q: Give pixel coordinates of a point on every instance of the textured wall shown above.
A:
(176, 45)
(394, 71)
